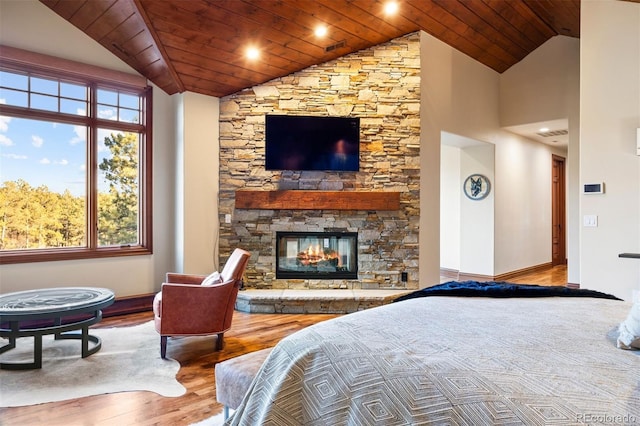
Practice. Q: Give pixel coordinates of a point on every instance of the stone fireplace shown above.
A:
(317, 255)
(381, 86)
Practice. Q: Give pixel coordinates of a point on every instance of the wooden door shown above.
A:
(558, 212)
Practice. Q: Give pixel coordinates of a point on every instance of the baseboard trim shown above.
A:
(129, 305)
(449, 273)
(524, 271)
(463, 276)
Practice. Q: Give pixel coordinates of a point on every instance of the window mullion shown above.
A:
(16, 111)
(92, 171)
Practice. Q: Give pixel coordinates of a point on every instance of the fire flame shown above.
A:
(315, 254)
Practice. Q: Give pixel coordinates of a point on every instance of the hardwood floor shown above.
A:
(250, 332)
(556, 275)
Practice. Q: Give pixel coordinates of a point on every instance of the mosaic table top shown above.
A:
(53, 299)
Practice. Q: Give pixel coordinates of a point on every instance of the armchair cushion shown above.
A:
(214, 278)
(157, 305)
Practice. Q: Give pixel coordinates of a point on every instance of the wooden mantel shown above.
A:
(317, 200)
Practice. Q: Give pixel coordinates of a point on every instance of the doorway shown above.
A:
(467, 228)
(558, 212)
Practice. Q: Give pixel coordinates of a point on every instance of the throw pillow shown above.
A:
(629, 329)
(212, 279)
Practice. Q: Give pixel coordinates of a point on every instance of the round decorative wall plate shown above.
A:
(476, 187)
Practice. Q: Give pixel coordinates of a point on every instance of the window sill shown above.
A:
(53, 255)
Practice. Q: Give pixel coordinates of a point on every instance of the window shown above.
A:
(75, 166)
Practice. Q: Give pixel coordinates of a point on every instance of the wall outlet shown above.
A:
(227, 218)
(404, 277)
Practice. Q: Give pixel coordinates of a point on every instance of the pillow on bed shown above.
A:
(212, 279)
(629, 329)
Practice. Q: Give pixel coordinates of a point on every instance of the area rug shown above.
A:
(129, 360)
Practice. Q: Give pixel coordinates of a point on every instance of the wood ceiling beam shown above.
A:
(164, 58)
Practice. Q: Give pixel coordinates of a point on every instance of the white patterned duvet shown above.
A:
(453, 361)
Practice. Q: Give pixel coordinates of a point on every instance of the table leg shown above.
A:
(84, 338)
(37, 355)
(85, 342)
(10, 345)
(57, 322)
(37, 351)
(15, 328)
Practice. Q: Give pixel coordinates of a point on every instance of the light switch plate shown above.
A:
(590, 220)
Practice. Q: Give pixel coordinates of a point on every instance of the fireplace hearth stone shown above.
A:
(340, 301)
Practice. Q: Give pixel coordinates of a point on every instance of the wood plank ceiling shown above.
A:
(199, 45)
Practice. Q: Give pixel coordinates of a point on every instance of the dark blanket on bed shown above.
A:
(501, 289)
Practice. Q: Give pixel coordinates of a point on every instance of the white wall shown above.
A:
(523, 204)
(32, 26)
(450, 189)
(477, 217)
(546, 86)
(199, 184)
(609, 117)
(538, 87)
(433, 105)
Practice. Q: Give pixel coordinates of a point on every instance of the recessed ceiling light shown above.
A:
(253, 53)
(321, 30)
(390, 8)
(544, 129)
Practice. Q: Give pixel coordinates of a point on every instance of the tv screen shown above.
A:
(294, 142)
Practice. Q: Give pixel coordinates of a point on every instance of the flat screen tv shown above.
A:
(295, 142)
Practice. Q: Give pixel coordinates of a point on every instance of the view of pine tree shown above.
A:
(118, 208)
(35, 217)
(38, 218)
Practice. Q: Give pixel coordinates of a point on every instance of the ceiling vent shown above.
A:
(335, 46)
(553, 133)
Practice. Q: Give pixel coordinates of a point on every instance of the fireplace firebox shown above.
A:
(317, 255)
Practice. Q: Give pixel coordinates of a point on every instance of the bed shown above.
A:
(453, 360)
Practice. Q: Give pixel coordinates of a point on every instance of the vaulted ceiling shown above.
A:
(200, 45)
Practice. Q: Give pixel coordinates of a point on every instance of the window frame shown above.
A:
(94, 78)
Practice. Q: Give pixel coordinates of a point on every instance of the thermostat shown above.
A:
(593, 188)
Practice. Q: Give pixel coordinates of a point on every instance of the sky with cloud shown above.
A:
(46, 154)
(43, 154)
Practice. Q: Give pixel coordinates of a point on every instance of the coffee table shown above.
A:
(57, 311)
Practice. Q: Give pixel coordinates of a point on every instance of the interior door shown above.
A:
(558, 214)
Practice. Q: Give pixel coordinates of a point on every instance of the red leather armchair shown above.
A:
(183, 307)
